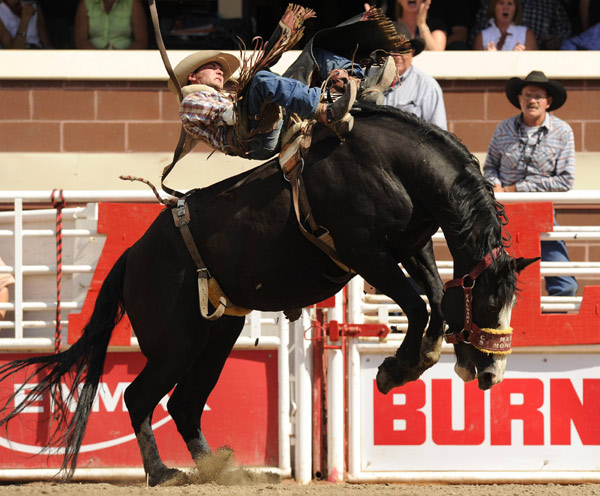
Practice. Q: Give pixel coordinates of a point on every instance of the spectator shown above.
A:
(22, 25)
(535, 151)
(505, 31)
(111, 24)
(588, 40)
(547, 19)
(413, 13)
(5, 281)
(413, 90)
(458, 17)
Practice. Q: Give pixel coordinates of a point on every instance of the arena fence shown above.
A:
(355, 419)
(27, 244)
(537, 425)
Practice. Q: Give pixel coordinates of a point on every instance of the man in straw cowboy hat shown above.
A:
(213, 115)
(535, 151)
(207, 111)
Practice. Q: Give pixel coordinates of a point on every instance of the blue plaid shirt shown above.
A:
(551, 165)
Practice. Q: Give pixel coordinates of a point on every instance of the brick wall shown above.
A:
(142, 117)
(87, 117)
(474, 109)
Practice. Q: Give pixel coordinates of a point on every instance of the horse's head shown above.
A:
(477, 308)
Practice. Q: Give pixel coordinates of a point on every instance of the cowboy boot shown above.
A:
(336, 115)
(377, 82)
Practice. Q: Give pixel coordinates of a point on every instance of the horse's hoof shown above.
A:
(466, 371)
(430, 352)
(388, 375)
(393, 373)
(293, 314)
(167, 477)
(384, 385)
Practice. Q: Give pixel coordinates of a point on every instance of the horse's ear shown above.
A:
(521, 262)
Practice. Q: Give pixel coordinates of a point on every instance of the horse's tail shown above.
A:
(83, 362)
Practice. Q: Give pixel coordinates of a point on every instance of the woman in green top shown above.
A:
(111, 24)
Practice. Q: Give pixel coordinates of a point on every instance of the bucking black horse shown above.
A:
(382, 193)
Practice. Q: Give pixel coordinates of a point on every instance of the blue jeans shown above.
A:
(328, 61)
(291, 95)
(556, 251)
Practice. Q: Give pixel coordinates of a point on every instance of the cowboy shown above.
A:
(535, 151)
(251, 126)
(208, 113)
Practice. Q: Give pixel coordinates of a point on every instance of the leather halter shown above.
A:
(495, 341)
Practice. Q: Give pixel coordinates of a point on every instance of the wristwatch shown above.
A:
(22, 33)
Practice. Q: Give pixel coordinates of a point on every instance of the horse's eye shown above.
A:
(491, 308)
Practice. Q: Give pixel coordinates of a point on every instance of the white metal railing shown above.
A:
(377, 308)
(373, 308)
(253, 336)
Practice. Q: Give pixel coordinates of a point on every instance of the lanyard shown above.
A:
(523, 145)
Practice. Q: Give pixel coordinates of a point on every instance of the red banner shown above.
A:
(241, 413)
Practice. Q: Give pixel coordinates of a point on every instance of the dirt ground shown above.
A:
(290, 488)
(218, 475)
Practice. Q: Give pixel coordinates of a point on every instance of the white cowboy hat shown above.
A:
(229, 64)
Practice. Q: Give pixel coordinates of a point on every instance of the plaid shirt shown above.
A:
(552, 164)
(543, 17)
(201, 113)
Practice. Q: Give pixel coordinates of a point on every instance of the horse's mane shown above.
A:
(470, 193)
(422, 128)
(479, 217)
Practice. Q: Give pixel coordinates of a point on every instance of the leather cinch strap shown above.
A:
(293, 150)
(323, 239)
(181, 216)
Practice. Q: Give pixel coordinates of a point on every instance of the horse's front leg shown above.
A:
(384, 273)
(423, 270)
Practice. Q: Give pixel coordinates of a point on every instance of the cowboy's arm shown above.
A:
(203, 109)
(293, 19)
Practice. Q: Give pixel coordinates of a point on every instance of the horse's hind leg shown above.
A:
(189, 398)
(141, 397)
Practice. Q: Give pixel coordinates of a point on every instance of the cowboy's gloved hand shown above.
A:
(229, 116)
(294, 17)
(338, 79)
